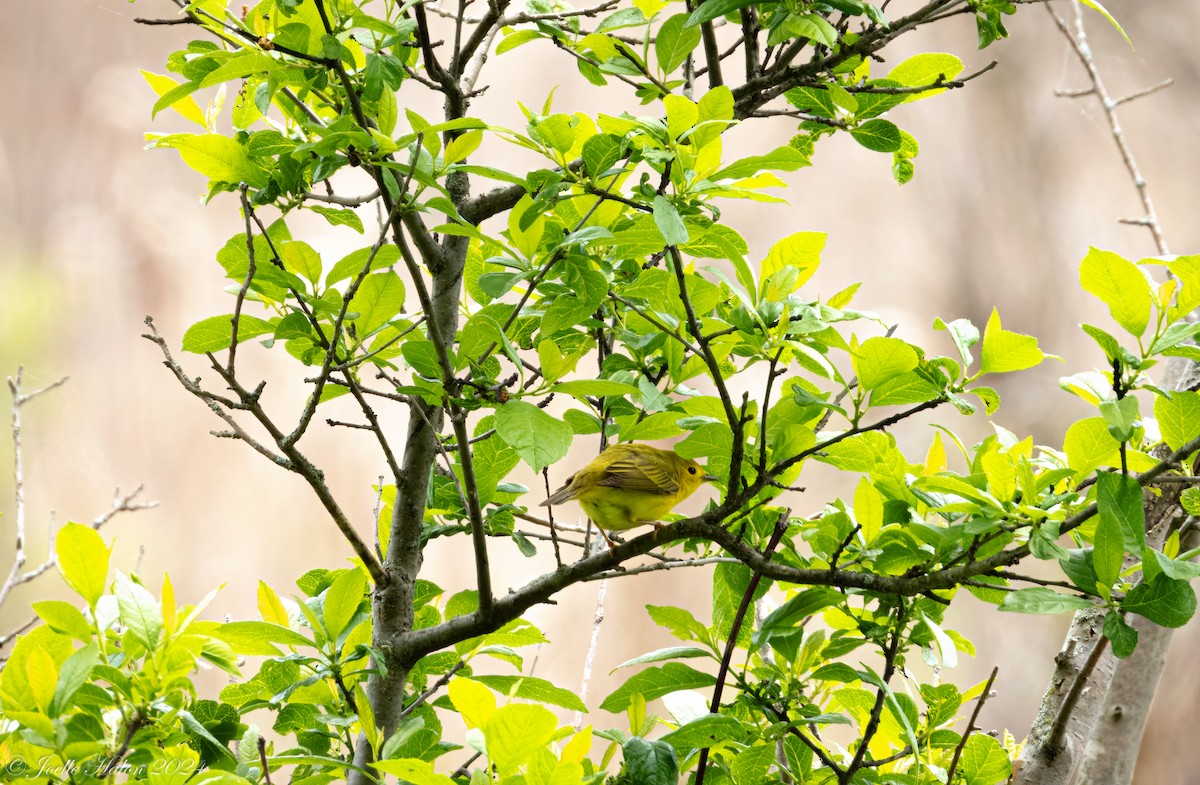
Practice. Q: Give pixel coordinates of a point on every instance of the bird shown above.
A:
(630, 485)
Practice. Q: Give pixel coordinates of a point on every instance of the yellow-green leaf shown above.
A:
(1178, 418)
(515, 732)
(926, 69)
(414, 771)
(1005, 351)
(186, 106)
(1121, 285)
(879, 359)
(217, 157)
(801, 250)
(475, 702)
(1089, 445)
(83, 560)
(1095, 6)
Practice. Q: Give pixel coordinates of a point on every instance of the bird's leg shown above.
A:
(612, 544)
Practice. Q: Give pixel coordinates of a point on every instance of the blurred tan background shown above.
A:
(1011, 187)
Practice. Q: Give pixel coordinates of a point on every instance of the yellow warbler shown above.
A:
(629, 485)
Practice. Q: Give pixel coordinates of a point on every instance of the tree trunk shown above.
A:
(1102, 733)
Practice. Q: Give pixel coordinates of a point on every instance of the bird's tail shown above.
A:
(563, 494)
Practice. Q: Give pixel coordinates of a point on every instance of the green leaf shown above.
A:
(533, 689)
(216, 332)
(298, 257)
(680, 622)
(655, 682)
(217, 157)
(1039, 599)
(515, 732)
(537, 437)
(422, 356)
(882, 136)
(1120, 634)
(1190, 500)
(710, 440)
(413, 770)
(595, 388)
(715, 111)
(601, 152)
(984, 761)
(515, 38)
(1121, 285)
(803, 605)
(963, 333)
(462, 146)
(668, 653)
(729, 585)
(751, 764)
(1005, 351)
(864, 453)
(1165, 601)
(945, 645)
(377, 301)
(650, 762)
(782, 159)
(801, 250)
(258, 632)
(812, 26)
(1119, 504)
(75, 672)
(682, 115)
(1088, 445)
(711, 9)
(1178, 417)
(1109, 549)
(65, 618)
(662, 425)
(668, 221)
(83, 560)
(707, 731)
(352, 264)
(1121, 416)
(879, 359)
(342, 600)
(1107, 343)
(241, 65)
(674, 42)
(139, 611)
(338, 216)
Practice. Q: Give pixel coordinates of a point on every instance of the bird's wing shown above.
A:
(649, 476)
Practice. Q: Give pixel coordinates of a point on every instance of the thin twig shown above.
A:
(1083, 51)
(344, 201)
(1054, 739)
(983, 696)
(670, 564)
(437, 685)
(889, 667)
(590, 658)
(262, 758)
(735, 628)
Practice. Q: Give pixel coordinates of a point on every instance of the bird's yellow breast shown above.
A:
(614, 509)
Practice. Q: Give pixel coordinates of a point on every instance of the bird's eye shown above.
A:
(691, 470)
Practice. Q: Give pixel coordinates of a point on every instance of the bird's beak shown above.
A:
(711, 478)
